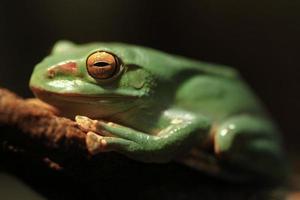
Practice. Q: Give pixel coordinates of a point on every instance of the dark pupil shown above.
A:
(101, 64)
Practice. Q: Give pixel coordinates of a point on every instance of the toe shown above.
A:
(95, 143)
(85, 123)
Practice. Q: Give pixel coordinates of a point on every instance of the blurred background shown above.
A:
(260, 38)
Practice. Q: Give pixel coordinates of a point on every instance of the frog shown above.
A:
(155, 107)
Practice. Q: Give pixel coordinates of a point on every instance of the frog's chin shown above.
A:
(71, 104)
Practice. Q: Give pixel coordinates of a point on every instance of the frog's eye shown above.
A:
(102, 65)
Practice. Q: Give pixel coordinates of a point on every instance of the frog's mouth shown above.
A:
(94, 106)
(74, 97)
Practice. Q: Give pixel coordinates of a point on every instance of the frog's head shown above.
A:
(96, 80)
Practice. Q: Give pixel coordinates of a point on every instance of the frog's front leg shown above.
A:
(182, 130)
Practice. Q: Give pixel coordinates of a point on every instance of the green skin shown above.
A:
(164, 107)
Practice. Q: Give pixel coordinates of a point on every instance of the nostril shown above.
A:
(69, 67)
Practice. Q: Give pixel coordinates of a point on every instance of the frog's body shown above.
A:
(163, 107)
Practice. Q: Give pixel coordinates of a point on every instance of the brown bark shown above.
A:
(41, 130)
(39, 123)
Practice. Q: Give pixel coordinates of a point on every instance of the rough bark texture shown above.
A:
(40, 124)
(32, 136)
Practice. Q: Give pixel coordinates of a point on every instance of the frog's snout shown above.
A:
(68, 67)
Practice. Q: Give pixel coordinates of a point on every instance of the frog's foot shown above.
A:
(97, 143)
(107, 136)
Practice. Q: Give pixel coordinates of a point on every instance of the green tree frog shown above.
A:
(156, 107)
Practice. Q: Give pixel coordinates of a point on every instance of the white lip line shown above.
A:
(84, 96)
(88, 100)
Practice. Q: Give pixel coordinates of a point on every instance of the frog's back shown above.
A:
(218, 97)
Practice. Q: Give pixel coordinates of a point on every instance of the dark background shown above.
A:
(260, 38)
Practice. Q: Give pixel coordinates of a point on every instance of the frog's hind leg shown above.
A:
(201, 160)
(248, 145)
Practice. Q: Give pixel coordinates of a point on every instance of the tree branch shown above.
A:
(39, 123)
(40, 129)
